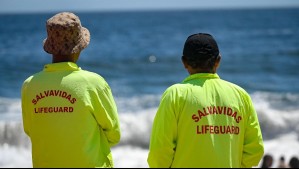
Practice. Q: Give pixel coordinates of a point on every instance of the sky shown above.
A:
(20, 6)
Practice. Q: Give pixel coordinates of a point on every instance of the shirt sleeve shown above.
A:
(164, 134)
(106, 115)
(253, 148)
(25, 114)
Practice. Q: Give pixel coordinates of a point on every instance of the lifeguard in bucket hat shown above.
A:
(69, 114)
(65, 34)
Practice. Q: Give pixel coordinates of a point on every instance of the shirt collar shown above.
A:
(202, 76)
(62, 66)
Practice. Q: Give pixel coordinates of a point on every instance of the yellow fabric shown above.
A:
(205, 122)
(70, 116)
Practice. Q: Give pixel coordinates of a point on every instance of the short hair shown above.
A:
(200, 51)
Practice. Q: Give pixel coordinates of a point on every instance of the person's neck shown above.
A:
(58, 59)
(196, 71)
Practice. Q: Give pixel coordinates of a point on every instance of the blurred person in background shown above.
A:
(267, 161)
(294, 162)
(282, 163)
(205, 121)
(69, 113)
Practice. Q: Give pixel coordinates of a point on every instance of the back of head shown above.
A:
(294, 162)
(200, 51)
(66, 35)
(267, 161)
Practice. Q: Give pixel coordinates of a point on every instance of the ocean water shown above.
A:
(138, 53)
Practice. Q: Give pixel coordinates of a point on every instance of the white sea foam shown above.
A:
(14, 157)
(135, 157)
(286, 145)
(278, 115)
(136, 128)
(10, 109)
(129, 157)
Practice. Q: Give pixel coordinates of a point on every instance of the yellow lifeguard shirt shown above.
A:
(70, 116)
(205, 122)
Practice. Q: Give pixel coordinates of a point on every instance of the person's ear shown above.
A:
(217, 63)
(185, 62)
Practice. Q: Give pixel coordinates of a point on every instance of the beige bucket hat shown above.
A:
(65, 34)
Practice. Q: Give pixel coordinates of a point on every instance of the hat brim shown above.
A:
(49, 47)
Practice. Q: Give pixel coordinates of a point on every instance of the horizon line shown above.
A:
(150, 9)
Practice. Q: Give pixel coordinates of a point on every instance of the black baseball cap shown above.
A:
(200, 46)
